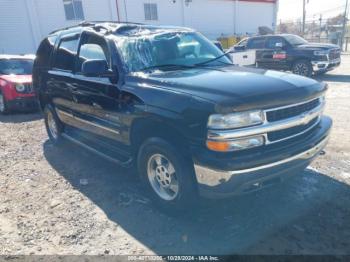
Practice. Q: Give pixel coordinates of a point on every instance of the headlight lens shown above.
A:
(320, 53)
(20, 88)
(237, 144)
(236, 120)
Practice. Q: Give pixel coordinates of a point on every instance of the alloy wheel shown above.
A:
(2, 103)
(52, 125)
(162, 177)
(301, 69)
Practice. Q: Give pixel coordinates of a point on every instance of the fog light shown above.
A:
(235, 145)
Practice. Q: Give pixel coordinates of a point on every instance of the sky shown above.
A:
(293, 9)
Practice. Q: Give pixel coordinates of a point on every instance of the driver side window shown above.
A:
(93, 48)
(188, 47)
(271, 43)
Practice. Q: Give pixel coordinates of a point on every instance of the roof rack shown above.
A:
(97, 25)
(89, 23)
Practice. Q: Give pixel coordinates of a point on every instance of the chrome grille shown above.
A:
(291, 132)
(334, 54)
(29, 88)
(288, 112)
(280, 123)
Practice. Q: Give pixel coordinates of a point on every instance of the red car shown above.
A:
(16, 90)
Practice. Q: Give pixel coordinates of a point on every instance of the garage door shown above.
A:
(15, 32)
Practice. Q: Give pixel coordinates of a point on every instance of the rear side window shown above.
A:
(65, 55)
(43, 55)
(256, 43)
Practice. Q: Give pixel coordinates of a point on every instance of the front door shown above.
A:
(274, 55)
(97, 106)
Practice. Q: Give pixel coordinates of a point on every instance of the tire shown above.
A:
(54, 126)
(3, 105)
(161, 163)
(302, 67)
(321, 73)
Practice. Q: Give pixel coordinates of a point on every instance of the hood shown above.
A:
(17, 78)
(318, 46)
(235, 88)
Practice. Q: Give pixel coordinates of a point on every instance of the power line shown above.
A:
(333, 9)
(330, 10)
(345, 20)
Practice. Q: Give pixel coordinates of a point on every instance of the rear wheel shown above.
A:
(3, 105)
(54, 126)
(303, 68)
(167, 175)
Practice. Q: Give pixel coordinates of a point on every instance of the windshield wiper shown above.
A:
(164, 66)
(185, 66)
(213, 59)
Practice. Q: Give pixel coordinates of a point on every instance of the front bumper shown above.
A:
(23, 104)
(219, 183)
(324, 66)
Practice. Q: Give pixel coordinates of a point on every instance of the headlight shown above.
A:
(236, 120)
(320, 53)
(20, 88)
(237, 144)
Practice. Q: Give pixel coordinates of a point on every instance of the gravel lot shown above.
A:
(67, 201)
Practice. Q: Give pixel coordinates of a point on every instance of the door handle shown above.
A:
(245, 56)
(95, 105)
(73, 87)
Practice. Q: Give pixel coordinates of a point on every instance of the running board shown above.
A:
(93, 150)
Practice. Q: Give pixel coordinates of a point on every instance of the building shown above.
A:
(23, 23)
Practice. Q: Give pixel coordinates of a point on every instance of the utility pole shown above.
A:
(304, 17)
(345, 20)
(319, 37)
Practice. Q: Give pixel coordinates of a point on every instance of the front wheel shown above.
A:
(167, 175)
(303, 68)
(54, 126)
(3, 105)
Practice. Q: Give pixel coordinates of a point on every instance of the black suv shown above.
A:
(292, 53)
(168, 101)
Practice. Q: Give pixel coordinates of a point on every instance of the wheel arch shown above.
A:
(144, 129)
(301, 58)
(43, 100)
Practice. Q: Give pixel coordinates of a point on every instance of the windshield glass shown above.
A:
(161, 49)
(295, 40)
(16, 66)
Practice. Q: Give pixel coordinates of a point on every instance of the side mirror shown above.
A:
(239, 47)
(218, 45)
(96, 68)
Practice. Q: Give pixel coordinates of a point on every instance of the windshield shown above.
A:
(16, 66)
(295, 40)
(183, 49)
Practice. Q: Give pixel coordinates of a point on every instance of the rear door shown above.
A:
(96, 99)
(60, 78)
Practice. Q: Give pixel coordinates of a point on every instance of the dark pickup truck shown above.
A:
(292, 53)
(168, 101)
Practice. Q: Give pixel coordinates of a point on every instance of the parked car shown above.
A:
(168, 101)
(16, 90)
(292, 53)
